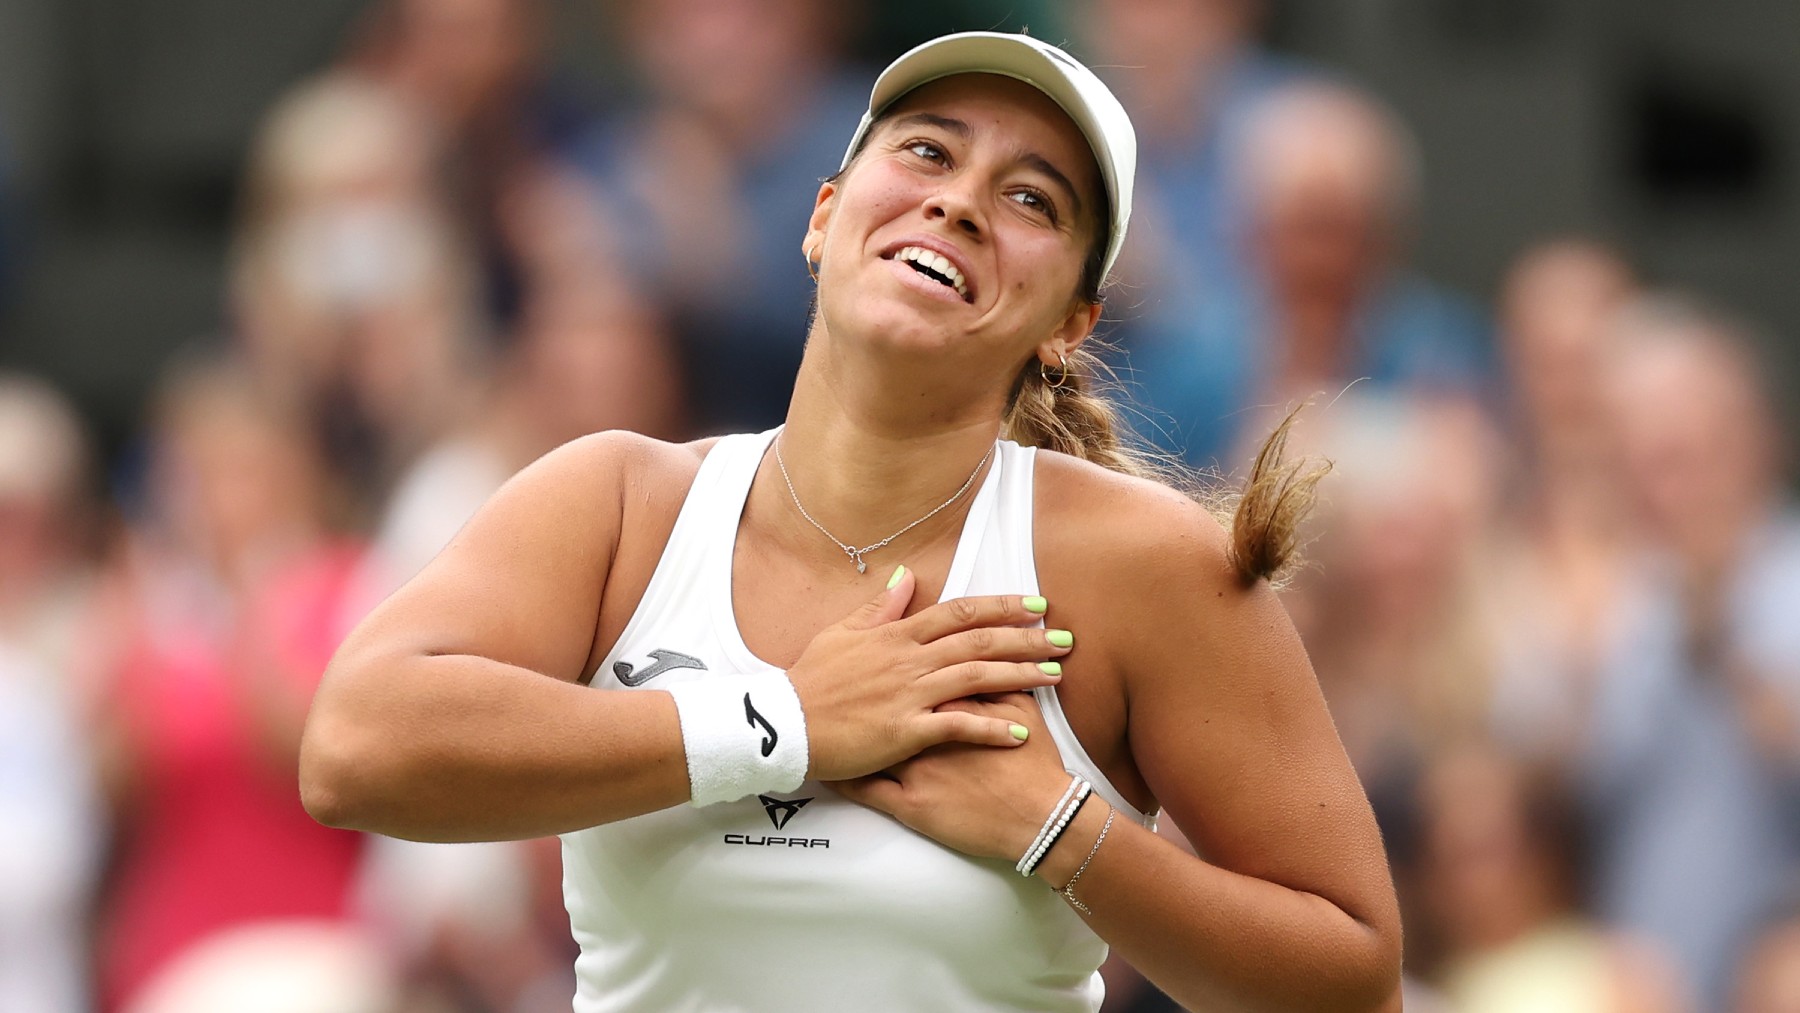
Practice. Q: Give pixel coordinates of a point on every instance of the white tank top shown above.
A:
(806, 901)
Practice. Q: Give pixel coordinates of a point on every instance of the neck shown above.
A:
(870, 451)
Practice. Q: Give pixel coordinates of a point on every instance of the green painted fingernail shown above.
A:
(899, 571)
(1036, 604)
(1050, 668)
(1021, 732)
(1060, 638)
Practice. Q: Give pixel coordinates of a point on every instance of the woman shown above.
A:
(749, 649)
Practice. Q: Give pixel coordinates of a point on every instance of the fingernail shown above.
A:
(1036, 604)
(1021, 732)
(1060, 638)
(1050, 667)
(899, 571)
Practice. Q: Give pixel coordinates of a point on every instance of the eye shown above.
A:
(1035, 200)
(927, 150)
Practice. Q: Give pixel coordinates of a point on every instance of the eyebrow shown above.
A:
(955, 126)
(1030, 159)
(1036, 161)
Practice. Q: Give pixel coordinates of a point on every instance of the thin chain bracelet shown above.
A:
(1068, 890)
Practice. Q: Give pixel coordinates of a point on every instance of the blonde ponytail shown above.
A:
(1077, 418)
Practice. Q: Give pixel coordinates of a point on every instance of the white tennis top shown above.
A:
(807, 901)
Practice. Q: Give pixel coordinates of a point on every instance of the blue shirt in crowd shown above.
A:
(1697, 829)
(741, 340)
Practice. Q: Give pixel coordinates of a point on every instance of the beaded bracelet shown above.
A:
(1062, 823)
(1068, 890)
(1026, 861)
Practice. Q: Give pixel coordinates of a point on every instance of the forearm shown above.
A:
(1216, 939)
(460, 748)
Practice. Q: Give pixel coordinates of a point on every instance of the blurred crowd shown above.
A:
(1553, 595)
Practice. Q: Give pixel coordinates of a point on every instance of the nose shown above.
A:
(956, 204)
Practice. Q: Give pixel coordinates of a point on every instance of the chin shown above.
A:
(893, 327)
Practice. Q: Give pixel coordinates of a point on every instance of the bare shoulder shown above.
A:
(1137, 532)
(623, 458)
(1151, 568)
(530, 578)
(607, 475)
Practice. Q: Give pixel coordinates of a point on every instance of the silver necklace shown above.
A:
(856, 555)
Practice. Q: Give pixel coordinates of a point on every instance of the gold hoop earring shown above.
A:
(1062, 372)
(812, 270)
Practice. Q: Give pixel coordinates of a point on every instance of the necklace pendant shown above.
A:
(861, 567)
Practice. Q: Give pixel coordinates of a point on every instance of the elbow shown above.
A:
(1378, 987)
(321, 787)
(328, 787)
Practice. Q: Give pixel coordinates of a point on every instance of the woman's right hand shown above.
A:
(871, 685)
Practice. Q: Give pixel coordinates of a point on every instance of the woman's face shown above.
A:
(994, 185)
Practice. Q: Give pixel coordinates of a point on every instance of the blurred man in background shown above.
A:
(744, 109)
(1329, 178)
(1693, 759)
(1190, 71)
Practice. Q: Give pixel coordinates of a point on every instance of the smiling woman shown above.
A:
(762, 756)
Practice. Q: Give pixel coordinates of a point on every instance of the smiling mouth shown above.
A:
(934, 266)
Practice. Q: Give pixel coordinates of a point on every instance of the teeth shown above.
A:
(937, 263)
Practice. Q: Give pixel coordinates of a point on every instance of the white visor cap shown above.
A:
(1087, 100)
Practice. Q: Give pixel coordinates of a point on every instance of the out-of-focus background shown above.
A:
(287, 289)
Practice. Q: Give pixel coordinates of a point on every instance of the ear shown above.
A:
(1069, 335)
(813, 245)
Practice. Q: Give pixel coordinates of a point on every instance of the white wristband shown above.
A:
(742, 735)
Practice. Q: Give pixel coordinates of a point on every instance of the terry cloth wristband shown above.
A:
(743, 736)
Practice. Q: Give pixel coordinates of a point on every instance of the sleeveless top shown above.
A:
(806, 901)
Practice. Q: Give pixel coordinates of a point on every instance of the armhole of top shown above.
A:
(669, 565)
(1075, 756)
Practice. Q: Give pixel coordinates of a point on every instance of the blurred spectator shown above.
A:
(1498, 874)
(46, 577)
(469, 918)
(586, 361)
(1693, 760)
(1768, 978)
(50, 850)
(745, 108)
(49, 806)
(1568, 534)
(1189, 71)
(1394, 611)
(1329, 178)
(351, 283)
(221, 615)
(476, 69)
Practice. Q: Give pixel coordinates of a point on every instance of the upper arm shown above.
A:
(1229, 729)
(521, 582)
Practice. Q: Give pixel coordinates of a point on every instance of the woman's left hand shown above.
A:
(984, 802)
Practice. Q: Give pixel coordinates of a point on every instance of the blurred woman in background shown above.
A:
(220, 614)
(353, 292)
